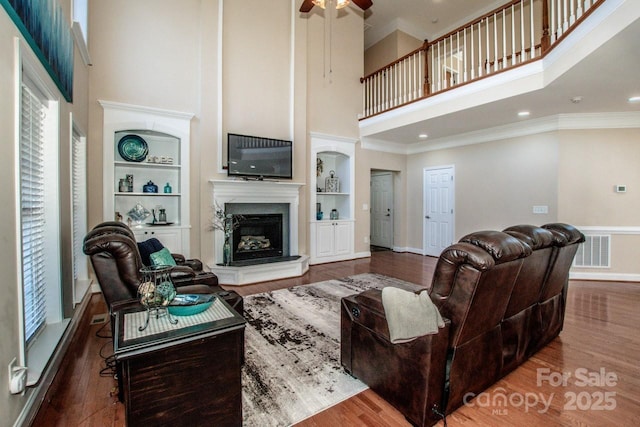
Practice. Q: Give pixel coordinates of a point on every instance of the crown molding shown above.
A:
(590, 121)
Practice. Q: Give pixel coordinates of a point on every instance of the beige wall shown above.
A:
(572, 172)
(256, 68)
(11, 406)
(496, 184)
(174, 54)
(367, 161)
(387, 50)
(591, 163)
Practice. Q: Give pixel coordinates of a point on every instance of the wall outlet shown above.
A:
(366, 239)
(365, 207)
(541, 209)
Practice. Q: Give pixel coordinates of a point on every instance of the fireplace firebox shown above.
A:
(258, 236)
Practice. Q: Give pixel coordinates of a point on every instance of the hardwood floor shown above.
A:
(597, 352)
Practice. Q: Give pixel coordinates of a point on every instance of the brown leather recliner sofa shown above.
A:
(502, 295)
(116, 261)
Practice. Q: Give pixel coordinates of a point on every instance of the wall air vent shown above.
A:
(594, 252)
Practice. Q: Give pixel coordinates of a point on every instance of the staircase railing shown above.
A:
(517, 33)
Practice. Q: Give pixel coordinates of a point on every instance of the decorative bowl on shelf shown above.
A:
(133, 148)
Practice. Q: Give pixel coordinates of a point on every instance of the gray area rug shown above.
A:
(292, 367)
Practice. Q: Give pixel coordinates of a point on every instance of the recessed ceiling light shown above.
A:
(634, 99)
(423, 136)
(523, 113)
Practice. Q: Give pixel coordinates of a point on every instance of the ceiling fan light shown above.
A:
(319, 3)
(341, 3)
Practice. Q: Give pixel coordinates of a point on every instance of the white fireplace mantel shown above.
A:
(242, 191)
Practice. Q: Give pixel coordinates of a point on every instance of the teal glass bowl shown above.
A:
(190, 304)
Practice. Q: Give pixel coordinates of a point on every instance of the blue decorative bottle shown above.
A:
(167, 188)
(150, 187)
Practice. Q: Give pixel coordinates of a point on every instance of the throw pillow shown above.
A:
(148, 247)
(162, 257)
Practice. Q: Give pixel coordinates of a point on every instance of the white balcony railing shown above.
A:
(516, 33)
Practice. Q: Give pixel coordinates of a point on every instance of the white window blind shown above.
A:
(32, 204)
(79, 208)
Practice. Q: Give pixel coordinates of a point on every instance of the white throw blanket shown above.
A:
(409, 315)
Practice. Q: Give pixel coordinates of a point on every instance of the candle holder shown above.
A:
(156, 292)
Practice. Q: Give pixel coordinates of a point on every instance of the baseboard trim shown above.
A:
(605, 277)
(39, 392)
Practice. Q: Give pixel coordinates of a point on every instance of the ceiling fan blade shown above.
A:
(363, 4)
(306, 6)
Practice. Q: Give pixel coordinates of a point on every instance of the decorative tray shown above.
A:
(190, 304)
(133, 148)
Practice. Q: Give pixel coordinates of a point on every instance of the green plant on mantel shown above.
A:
(224, 221)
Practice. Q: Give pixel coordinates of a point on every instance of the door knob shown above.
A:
(427, 217)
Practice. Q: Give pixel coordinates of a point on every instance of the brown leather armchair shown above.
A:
(116, 261)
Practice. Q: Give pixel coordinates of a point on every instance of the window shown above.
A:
(79, 208)
(80, 28)
(32, 207)
(39, 217)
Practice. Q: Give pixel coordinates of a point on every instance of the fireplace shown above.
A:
(251, 199)
(258, 236)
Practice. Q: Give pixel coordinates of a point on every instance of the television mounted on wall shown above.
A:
(257, 157)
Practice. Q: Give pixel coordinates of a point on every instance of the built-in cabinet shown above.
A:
(332, 235)
(160, 140)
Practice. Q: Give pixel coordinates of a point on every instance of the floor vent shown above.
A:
(594, 252)
(99, 318)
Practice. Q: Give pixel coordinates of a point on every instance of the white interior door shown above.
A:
(382, 210)
(439, 196)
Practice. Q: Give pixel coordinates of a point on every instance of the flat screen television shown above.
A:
(256, 157)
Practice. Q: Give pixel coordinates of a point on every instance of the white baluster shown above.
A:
(432, 78)
(565, 22)
(552, 24)
(522, 51)
(580, 10)
(364, 99)
(572, 17)
(473, 62)
(488, 61)
(458, 66)
(480, 73)
(495, 42)
(504, 38)
(533, 40)
(513, 35)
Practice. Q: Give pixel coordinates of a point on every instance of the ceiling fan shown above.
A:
(308, 4)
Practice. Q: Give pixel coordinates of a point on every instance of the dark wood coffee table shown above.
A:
(186, 376)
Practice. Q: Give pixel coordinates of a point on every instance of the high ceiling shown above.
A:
(604, 79)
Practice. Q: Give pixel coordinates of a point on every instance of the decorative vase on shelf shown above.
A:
(332, 183)
(226, 251)
(150, 187)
